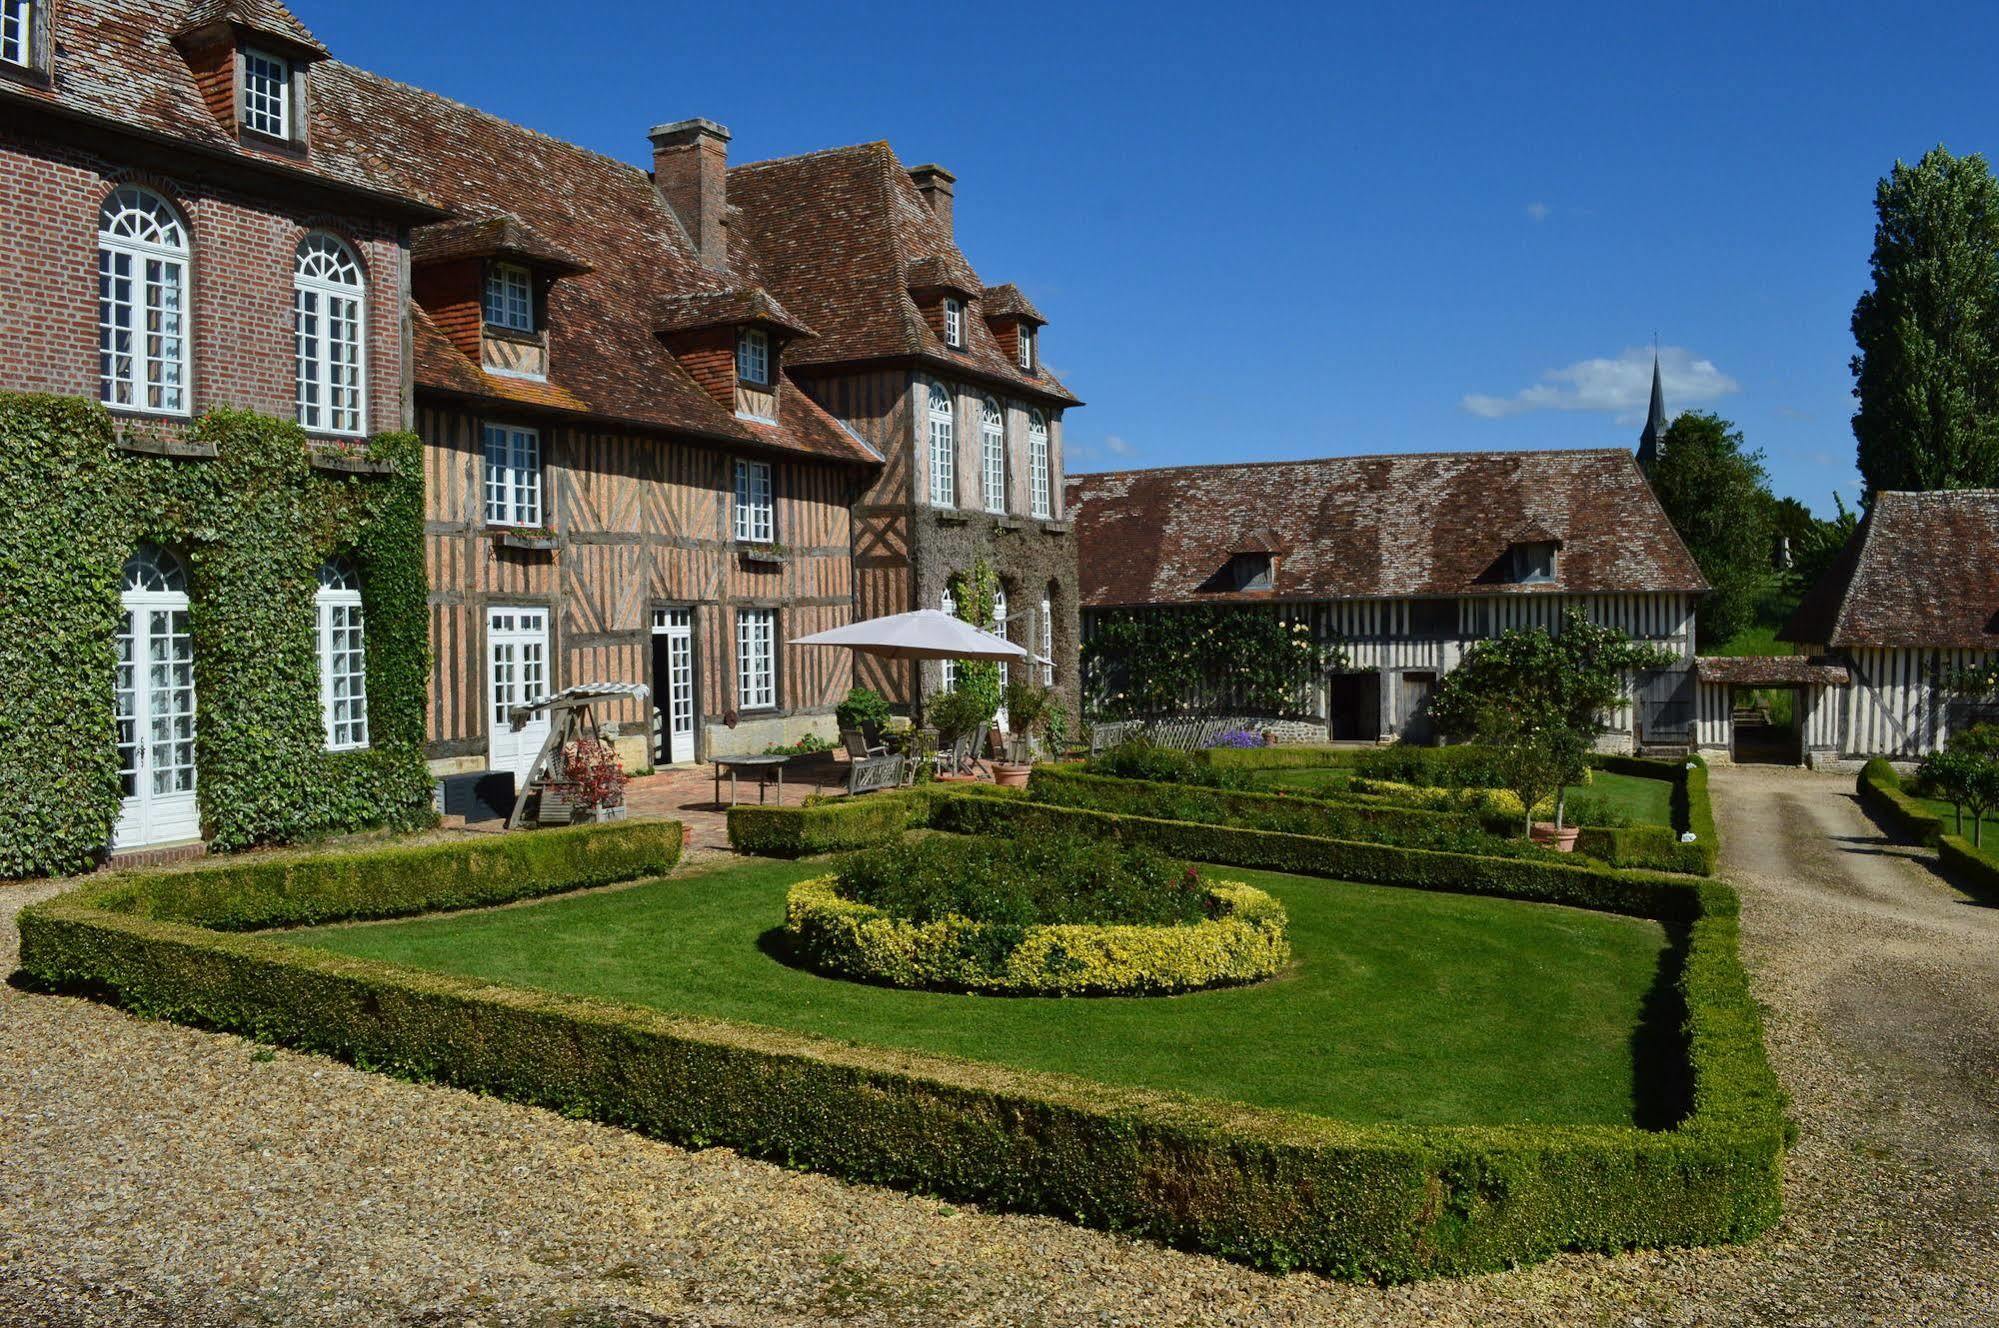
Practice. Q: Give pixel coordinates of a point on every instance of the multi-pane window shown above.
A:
(513, 476)
(993, 454)
(141, 304)
(1027, 348)
(17, 32)
(267, 94)
(999, 629)
(948, 602)
(943, 449)
(329, 324)
(1048, 642)
(753, 356)
(954, 322)
(510, 297)
(756, 659)
(756, 513)
(1037, 464)
(343, 662)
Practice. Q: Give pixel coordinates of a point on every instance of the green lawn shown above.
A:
(1401, 1005)
(1646, 801)
(1938, 807)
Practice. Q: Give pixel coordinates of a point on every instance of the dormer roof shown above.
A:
(943, 272)
(740, 306)
(498, 235)
(1002, 302)
(265, 22)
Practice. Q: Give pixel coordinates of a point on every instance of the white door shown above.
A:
(155, 705)
(673, 682)
(516, 674)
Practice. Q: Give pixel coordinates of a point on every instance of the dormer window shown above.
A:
(17, 32)
(753, 356)
(1253, 571)
(267, 94)
(954, 322)
(1026, 349)
(509, 297)
(1534, 562)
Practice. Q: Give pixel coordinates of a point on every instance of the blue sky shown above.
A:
(1290, 232)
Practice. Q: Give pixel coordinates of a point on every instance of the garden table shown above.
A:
(761, 766)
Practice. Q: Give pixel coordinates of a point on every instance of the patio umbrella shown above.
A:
(920, 634)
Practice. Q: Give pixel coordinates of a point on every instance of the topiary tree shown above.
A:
(1541, 701)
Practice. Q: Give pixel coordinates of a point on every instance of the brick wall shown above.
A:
(709, 356)
(240, 300)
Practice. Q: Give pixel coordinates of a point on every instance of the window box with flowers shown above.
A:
(771, 553)
(536, 539)
(348, 458)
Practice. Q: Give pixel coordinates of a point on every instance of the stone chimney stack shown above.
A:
(690, 168)
(937, 185)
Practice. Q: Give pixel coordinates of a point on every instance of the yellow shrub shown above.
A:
(1497, 803)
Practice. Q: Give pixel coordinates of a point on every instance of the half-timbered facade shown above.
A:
(1403, 561)
(943, 376)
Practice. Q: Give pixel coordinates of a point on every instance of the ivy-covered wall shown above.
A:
(253, 526)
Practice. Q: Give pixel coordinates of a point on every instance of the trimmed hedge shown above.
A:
(1278, 758)
(1242, 942)
(827, 827)
(1880, 790)
(296, 891)
(1970, 865)
(1657, 847)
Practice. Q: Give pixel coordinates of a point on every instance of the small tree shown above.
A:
(1952, 775)
(1966, 772)
(1541, 701)
(1029, 710)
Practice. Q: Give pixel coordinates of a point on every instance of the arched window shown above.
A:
(329, 325)
(949, 603)
(993, 439)
(142, 303)
(1037, 464)
(943, 449)
(343, 661)
(153, 570)
(1048, 639)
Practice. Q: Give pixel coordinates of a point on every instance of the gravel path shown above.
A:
(154, 1175)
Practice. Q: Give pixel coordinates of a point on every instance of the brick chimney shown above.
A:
(937, 185)
(690, 168)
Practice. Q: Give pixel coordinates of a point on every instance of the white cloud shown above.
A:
(1616, 385)
(1117, 446)
(1538, 211)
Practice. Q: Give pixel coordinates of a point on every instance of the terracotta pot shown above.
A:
(1562, 840)
(1011, 774)
(686, 836)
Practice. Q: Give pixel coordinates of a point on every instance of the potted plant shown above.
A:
(957, 715)
(596, 778)
(1028, 706)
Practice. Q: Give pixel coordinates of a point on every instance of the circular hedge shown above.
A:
(1242, 939)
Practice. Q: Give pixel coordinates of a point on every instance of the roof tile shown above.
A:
(1922, 571)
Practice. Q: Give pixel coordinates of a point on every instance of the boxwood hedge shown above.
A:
(1881, 793)
(827, 827)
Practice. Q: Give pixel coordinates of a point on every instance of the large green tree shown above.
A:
(1717, 495)
(1927, 375)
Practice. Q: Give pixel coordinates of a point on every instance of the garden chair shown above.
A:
(859, 747)
(961, 758)
(866, 774)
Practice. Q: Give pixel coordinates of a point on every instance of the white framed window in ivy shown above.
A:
(513, 476)
(999, 629)
(1048, 642)
(943, 448)
(142, 281)
(510, 297)
(343, 656)
(948, 602)
(329, 328)
(753, 356)
(1027, 347)
(954, 322)
(756, 510)
(1037, 465)
(267, 93)
(992, 451)
(17, 32)
(756, 659)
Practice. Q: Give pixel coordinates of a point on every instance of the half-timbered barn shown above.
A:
(943, 376)
(1403, 561)
(1913, 598)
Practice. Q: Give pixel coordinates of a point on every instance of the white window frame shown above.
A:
(756, 659)
(954, 322)
(1048, 642)
(756, 507)
(948, 603)
(753, 356)
(1039, 474)
(509, 297)
(343, 658)
(268, 93)
(992, 451)
(330, 337)
(513, 473)
(999, 630)
(143, 324)
(942, 413)
(1026, 338)
(17, 33)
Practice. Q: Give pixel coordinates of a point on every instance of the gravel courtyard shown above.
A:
(154, 1175)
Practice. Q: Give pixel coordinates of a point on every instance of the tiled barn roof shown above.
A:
(1373, 527)
(501, 235)
(1922, 570)
(841, 237)
(1769, 671)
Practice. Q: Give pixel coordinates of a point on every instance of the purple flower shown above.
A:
(1237, 738)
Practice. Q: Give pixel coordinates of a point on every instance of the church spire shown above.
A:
(1655, 423)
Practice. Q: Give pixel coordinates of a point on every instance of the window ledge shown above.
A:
(1053, 527)
(534, 541)
(257, 138)
(346, 463)
(167, 447)
(762, 553)
(951, 516)
(1006, 522)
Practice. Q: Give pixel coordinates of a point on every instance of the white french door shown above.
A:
(155, 708)
(673, 682)
(516, 674)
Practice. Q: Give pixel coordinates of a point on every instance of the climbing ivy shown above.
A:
(1218, 659)
(976, 591)
(253, 526)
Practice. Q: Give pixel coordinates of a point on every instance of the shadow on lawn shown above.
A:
(1662, 1082)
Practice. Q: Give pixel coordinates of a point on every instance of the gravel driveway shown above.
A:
(154, 1175)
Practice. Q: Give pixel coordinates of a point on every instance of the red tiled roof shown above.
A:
(1375, 527)
(1008, 302)
(501, 235)
(841, 236)
(1922, 570)
(744, 304)
(266, 17)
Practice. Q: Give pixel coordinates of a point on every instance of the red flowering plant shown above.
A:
(591, 767)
